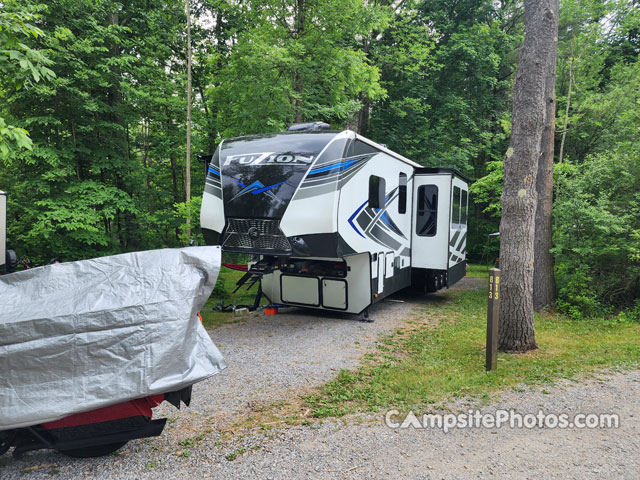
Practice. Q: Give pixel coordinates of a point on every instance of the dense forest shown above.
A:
(93, 114)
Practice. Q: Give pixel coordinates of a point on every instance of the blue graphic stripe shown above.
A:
(385, 219)
(239, 183)
(214, 171)
(255, 192)
(342, 165)
(354, 216)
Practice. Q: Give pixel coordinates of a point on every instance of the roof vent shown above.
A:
(309, 127)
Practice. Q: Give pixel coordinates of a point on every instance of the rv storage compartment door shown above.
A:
(389, 267)
(301, 290)
(380, 272)
(334, 294)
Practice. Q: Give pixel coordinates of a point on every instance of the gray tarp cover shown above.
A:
(84, 335)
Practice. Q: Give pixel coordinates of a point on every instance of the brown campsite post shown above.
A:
(493, 318)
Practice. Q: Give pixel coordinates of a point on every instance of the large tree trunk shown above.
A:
(519, 196)
(544, 287)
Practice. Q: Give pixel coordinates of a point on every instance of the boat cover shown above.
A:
(84, 335)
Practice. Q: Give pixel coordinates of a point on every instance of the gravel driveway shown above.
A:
(275, 357)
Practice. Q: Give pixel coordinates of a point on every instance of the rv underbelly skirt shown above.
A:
(349, 293)
(85, 335)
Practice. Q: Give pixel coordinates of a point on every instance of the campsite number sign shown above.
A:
(493, 316)
(494, 286)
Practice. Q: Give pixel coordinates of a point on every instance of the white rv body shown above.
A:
(342, 221)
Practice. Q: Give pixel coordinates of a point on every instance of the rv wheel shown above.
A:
(431, 283)
(6, 439)
(95, 451)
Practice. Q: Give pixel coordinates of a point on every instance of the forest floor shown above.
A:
(259, 418)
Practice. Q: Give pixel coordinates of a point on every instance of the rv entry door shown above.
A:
(430, 236)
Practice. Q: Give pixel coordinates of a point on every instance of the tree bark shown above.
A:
(298, 81)
(566, 110)
(365, 109)
(363, 116)
(187, 181)
(520, 196)
(544, 287)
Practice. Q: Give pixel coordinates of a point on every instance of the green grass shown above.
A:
(425, 365)
(224, 293)
(476, 270)
(232, 456)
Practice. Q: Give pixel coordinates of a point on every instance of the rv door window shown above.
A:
(455, 207)
(464, 206)
(402, 193)
(427, 214)
(376, 192)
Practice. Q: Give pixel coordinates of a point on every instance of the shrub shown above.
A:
(597, 220)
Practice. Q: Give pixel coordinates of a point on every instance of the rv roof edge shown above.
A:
(309, 126)
(387, 151)
(450, 171)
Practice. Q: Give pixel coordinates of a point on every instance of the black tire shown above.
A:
(6, 439)
(431, 282)
(94, 451)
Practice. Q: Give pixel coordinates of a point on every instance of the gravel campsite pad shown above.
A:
(273, 358)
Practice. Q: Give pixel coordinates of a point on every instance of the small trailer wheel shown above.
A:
(94, 451)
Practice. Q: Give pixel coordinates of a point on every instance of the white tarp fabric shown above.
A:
(84, 335)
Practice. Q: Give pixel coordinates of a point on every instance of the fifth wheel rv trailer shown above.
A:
(333, 220)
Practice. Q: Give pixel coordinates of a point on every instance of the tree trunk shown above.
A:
(566, 110)
(544, 287)
(519, 196)
(298, 81)
(299, 90)
(365, 109)
(363, 116)
(187, 181)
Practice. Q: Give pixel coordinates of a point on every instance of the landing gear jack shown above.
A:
(364, 316)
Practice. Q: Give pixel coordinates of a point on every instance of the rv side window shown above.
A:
(402, 193)
(358, 147)
(376, 192)
(427, 214)
(464, 206)
(455, 207)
